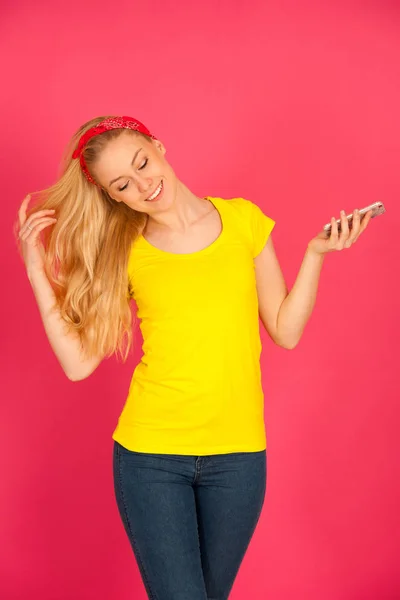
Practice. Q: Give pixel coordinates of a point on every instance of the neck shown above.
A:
(184, 210)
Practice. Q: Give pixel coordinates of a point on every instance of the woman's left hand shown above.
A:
(322, 244)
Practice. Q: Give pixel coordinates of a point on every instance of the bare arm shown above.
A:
(299, 304)
(283, 314)
(67, 347)
(271, 290)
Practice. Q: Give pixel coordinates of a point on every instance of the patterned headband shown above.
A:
(106, 125)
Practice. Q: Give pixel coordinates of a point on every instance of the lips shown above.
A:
(157, 191)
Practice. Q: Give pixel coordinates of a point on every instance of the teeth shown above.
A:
(158, 190)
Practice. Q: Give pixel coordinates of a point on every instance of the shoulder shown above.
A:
(252, 219)
(245, 209)
(237, 204)
(240, 206)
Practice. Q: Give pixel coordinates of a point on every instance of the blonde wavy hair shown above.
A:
(87, 251)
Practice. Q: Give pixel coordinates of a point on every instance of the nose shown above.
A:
(144, 184)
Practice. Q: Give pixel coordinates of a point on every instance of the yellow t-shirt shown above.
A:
(197, 389)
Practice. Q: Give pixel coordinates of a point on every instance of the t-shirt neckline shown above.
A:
(141, 239)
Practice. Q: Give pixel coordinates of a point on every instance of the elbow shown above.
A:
(287, 344)
(75, 377)
(72, 378)
(290, 345)
(289, 340)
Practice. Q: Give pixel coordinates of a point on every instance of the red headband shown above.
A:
(107, 125)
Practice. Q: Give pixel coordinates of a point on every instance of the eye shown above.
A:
(140, 168)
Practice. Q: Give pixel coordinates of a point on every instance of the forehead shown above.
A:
(118, 154)
(122, 146)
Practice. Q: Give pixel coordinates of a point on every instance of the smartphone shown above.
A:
(377, 209)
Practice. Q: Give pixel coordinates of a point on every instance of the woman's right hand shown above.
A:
(29, 233)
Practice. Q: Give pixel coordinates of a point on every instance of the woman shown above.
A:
(190, 445)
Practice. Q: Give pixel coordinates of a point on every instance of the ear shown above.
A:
(160, 146)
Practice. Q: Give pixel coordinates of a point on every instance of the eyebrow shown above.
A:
(120, 177)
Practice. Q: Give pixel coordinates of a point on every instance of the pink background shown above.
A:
(294, 105)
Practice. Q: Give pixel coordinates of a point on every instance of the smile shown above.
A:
(156, 193)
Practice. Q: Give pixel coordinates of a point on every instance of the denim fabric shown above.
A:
(189, 519)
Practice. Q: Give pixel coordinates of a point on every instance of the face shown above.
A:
(133, 169)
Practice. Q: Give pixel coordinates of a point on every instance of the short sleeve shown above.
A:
(261, 227)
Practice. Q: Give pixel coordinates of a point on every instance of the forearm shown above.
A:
(66, 346)
(298, 305)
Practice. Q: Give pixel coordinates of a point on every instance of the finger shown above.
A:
(365, 221)
(43, 212)
(355, 228)
(26, 233)
(22, 209)
(33, 218)
(364, 224)
(355, 224)
(31, 223)
(344, 234)
(29, 228)
(334, 233)
(31, 239)
(29, 234)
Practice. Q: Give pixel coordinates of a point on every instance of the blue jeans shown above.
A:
(189, 519)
